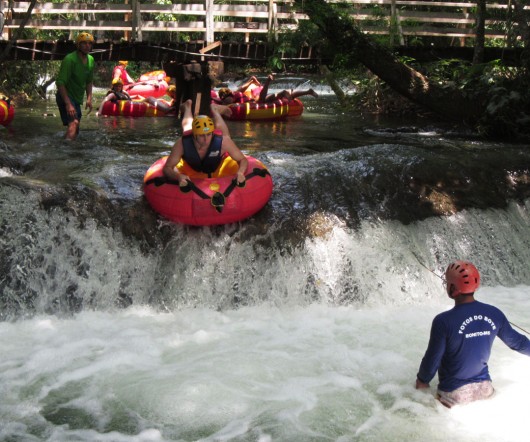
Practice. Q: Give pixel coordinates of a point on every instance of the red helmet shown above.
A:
(461, 278)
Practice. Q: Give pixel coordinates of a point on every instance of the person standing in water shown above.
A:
(461, 339)
(74, 79)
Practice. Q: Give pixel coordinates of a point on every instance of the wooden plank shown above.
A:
(210, 47)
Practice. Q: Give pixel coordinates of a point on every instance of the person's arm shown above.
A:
(70, 109)
(433, 355)
(170, 169)
(111, 96)
(116, 73)
(65, 73)
(512, 338)
(236, 154)
(88, 104)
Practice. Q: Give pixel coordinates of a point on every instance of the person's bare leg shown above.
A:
(297, 94)
(158, 104)
(263, 94)
(187, 115)
(284, 94)
(72, 130)
(219, 121)
(223, 110)
(251, 81)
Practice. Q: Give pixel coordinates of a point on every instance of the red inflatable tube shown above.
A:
(126, 108)
(208, 201)
(276, 110)
(7, 113)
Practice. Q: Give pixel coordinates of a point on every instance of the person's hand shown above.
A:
(88, 106)
(240, 177)
(421, 385)
(70, 109)
(183, 180)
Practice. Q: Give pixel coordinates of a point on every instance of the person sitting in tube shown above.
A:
(284, 95)
(114, 94)
(120, 72)
(259, 93)
(242, 94)
(163, 105)
(203, 145)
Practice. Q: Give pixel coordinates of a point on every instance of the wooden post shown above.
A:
(275, 18)
(395, 25)
(193, 83)
(4, 35)
(209, 35)
(126, 18)
(136, 33)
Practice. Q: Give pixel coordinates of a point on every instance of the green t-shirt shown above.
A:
(74, 75)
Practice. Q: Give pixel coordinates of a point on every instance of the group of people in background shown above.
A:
(76, 74)
(254, 90)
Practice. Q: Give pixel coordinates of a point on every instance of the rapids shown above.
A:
(306, 322)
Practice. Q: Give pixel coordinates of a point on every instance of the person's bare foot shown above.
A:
(185, 105)
(313, 93)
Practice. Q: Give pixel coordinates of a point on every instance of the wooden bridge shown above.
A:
(186, 30)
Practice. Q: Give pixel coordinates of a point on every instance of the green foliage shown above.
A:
(289, 44)
(503, 91)
(275, 63)
(27, 77)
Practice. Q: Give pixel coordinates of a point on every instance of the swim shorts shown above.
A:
(466, 394)
(62, 109)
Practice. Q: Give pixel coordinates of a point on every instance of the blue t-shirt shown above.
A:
(460, 344)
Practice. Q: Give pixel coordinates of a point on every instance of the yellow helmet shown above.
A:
(202, 125)
(123, 62)
(84, 36)
(172, 90)
(117, 81)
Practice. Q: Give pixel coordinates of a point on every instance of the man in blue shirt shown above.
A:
(461, 340)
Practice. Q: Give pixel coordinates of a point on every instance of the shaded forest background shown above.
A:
(491, 98)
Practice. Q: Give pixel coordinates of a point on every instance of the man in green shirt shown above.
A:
(74, 79)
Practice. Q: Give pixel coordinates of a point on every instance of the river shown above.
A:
(306, 322)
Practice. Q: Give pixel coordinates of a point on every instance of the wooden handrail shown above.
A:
(449, 18)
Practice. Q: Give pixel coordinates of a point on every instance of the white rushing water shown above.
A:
(256, 374)
(273, 371)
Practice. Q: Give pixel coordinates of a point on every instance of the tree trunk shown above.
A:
(478, 53)
(347, 39)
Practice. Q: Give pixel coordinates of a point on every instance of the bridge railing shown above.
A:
(401, 19)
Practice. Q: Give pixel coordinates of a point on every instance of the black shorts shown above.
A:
(67, 119)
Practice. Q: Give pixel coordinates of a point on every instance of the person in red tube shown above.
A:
(120, 72)
(461, 339)
(203, 145)
(253, 90)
